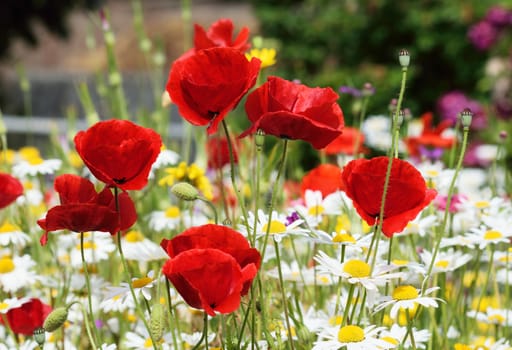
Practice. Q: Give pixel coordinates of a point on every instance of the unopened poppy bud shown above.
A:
(465, 117)
(55, 319)
(259, 138)
(39, 336)
(185, 191)
(404, 58)
(156, 323)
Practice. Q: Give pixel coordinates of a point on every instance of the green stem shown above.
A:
(212, 207)
(87, 326)
(347, 307)
(447, 209)
(273, 197)
(283, 296)
(410, 329)
(129, 279)
(204, 336)
(87, 280)
(239, 196)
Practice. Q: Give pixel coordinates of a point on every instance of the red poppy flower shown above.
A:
(28, 317)
(10, 189)
(349, 142)
(325, 178)
(294, 111)
(220, 34)
(119, 152)
(207, 85)
(218, 152)
(430, 137)
(211, 266)
(407, 192)
(83, 209)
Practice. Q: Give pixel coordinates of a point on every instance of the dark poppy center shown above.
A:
(120, 181)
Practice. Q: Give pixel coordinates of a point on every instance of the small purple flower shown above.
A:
(499, 17)
(429, 153)
(483, 35)
(290, 219)
(452, 103)
(350, 91)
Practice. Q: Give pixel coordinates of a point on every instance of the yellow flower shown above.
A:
(266, 56)
(191, 174)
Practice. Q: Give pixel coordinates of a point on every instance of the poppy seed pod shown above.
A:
(55, 319)
(185, 191)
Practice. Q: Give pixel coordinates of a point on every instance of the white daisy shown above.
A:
(194, 338)
(315, 206)
(12, 303)
(397, 335)
(483, 236)
(351, 337)
(16, 272)
(97, 247)
(137, 247)
(173, 218)
(278, 228)
(408, 297)
(295, 273)
(446, 261)
(500, 317)
(11, 233)
(36, 167)
(357, 271)
(420, 225)
(120, 298)
(165, 158)
(140, 340)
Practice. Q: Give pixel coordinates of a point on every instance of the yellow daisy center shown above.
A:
(141, 282)
(443, 264)
(148, 343)
(400, 262)
(134, 236)
(172, 212)
(343, 223)
(432, 173)
(391, 340)
(88, 245)
(35, 160)
(460, 346)
(6, 265)
(336, 320)
(350, 334)
(28, 152)
(405, 293)
(316, 210)
(496, 318)
(492, 234)
(343, 237)
(3, 306)
(357, 268)
(8, 227)
(482, 204)
(275, 227)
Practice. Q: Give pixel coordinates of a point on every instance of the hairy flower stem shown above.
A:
(446, 210)
(283, 296)
(87, 325)
(87, 283)
(128, 275)
(204, 336)
(238, 194)
(410, 330)
(347, 307)
(391, 155)
(212, 207)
